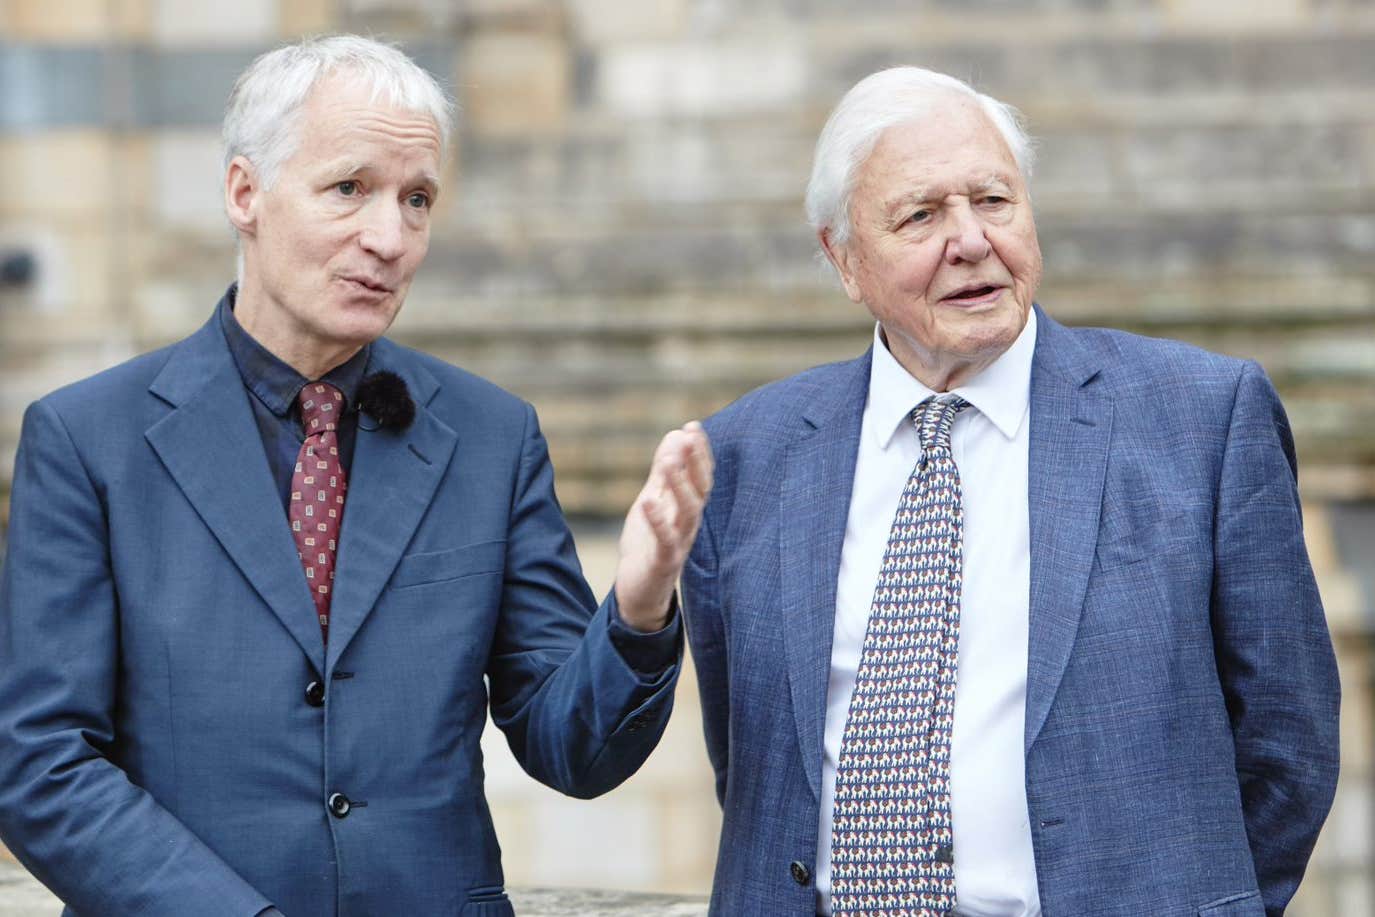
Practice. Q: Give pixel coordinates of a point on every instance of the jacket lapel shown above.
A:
(391, 483)
(1071, 430)
(210, 445)
(818, 475)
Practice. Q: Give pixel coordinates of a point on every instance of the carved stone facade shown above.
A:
(622, 242)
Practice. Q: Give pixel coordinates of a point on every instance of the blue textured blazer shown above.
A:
(158, 754)
(1181, 710)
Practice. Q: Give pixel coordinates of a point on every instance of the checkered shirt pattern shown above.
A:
(891, 839)
(318, 487)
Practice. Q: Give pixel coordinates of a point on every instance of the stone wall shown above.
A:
(621, 241)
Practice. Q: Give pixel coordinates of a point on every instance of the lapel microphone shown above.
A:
(384, 396)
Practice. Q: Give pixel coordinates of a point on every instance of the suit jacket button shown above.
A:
(315, 694)
(339, 805)
(801, 874)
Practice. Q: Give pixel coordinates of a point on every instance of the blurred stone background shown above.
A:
(622, 242)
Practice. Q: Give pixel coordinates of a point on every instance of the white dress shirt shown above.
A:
(995, 871)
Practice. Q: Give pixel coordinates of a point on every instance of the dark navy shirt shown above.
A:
(274, 386)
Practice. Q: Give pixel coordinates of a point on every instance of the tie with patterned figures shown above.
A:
(891, 838)
(318, 487)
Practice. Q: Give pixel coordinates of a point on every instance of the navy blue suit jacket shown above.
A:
(1181, 710)
(158, 755)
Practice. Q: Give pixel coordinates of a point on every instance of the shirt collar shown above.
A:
(272, 381)
(1001, 392)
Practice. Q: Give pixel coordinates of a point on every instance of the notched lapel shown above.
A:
(814, 500)
(210, 445)
(1071, 432)
(391, 483)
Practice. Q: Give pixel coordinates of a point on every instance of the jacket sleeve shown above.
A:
(707, 637)
(1274, 655)
(578, 715)
(69, 814)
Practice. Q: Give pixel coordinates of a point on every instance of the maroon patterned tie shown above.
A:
(318, 486)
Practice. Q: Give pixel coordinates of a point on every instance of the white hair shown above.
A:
(263, 112)
(882, 100)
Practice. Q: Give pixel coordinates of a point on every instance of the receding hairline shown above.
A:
(382, 67)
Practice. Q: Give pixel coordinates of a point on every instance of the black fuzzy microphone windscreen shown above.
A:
(384, 395)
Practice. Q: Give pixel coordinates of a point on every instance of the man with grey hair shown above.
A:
(1046, 635)
(257, 580)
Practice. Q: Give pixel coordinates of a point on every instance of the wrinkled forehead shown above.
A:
(952, 141)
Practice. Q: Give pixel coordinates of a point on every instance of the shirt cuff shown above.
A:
(648, 655)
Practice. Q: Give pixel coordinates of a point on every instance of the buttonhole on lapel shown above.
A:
(1052, 823)
(1083, 420)
(343, 675)
(418, 454)
(357, 804)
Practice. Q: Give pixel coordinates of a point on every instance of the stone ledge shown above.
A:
(22, 896)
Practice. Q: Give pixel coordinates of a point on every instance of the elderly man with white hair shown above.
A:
(261, 584)
(1001, 618)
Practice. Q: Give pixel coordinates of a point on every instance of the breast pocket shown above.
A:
(1247, 904)
(1146, 541)
(485, 557)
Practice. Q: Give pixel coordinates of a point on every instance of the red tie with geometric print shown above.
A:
(318, 487)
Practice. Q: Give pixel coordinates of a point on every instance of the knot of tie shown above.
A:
(321, 404)
(934, 418)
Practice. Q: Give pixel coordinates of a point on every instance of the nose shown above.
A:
(384, 232)
(967, 241)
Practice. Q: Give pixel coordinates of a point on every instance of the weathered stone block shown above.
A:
(216, 23)
(607, 21)
(187, 190)
(308, 17)
(55, 175)
(1075, 165)
(663, 80)
(47, 88)
(181, 88)
(513, 83)
(55, 20)
(1234, 14)
(1243, 162)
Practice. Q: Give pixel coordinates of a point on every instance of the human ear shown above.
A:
(241, 194)
(840, 258)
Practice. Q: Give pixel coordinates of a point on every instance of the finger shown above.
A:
(660, 523)
(688, 504)
(700, 464)
(657, 480)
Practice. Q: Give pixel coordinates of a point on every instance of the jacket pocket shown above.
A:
(1160, 536)
(1246, 904)
(455, 563)
(488, 901)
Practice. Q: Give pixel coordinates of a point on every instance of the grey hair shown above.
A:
(264, 107)
(882, 100)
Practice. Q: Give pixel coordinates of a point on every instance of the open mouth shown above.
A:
(974, 294)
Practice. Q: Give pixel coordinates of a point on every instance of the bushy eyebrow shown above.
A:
(926, 194)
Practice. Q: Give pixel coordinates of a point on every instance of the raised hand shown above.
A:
(660, 527)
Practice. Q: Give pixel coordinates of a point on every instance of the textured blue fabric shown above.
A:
(157, 754)
(1181, 721)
